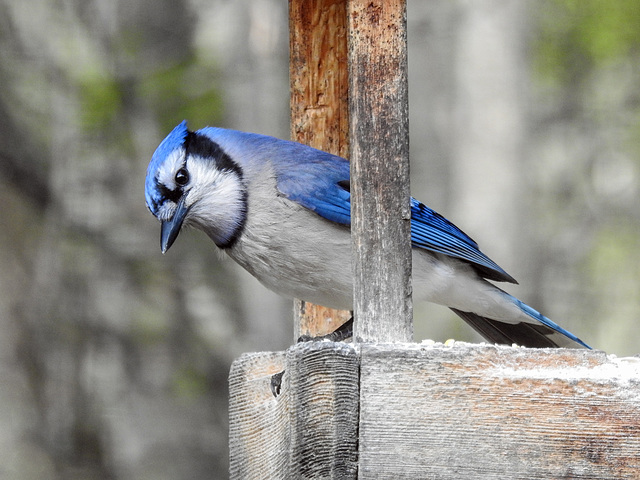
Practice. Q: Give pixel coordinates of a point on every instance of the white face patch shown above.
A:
(166, 211)
(166, 177)
(216, 200)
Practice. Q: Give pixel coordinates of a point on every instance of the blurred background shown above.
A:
(525, 131)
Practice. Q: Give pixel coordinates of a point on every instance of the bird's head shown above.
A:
(192, 181)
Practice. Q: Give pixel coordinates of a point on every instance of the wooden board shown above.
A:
(410, 411)
(311, 429)
(258, 423)
(498, 412)
(322, 387)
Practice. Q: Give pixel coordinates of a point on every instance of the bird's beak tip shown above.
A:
(171, 228)
(168, 235)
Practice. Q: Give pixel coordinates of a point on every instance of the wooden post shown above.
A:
(319, 109)
(379, 154)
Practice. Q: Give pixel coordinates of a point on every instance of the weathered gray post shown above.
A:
(379, 154)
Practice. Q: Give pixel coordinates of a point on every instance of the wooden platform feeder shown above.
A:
(383, 407)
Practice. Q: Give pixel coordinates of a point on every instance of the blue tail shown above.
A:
(545, 321)
(540, 333)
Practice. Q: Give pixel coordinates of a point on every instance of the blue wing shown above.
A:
(320, 182)
(431, 231)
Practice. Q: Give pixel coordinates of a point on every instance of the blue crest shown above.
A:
(171, 142)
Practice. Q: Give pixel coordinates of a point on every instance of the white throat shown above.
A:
(216, 200)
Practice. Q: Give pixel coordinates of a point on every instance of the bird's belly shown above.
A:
(316, 266)
(298, 254)
(311, 263)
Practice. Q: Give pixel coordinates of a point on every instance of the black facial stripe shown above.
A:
(166, 193)
(238, 231)
(202, 146)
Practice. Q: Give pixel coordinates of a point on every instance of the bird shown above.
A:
(281, 210)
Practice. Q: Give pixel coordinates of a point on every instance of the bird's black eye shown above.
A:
(182, 177)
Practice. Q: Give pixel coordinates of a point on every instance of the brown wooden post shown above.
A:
(319, 109)
(379, 153)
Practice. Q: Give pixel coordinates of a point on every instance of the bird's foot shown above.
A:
(276, 383)
(340, 334)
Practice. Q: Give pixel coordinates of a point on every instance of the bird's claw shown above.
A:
(340, 334)
(276, 383)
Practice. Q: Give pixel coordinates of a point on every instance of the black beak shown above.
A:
(171, 228)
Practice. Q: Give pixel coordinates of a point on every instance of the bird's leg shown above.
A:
(341, 333)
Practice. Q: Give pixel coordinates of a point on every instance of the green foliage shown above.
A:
(577, 35)
(101, 100)
(189, 383)
(185, 90)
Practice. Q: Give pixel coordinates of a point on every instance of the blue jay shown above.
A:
(281, 210)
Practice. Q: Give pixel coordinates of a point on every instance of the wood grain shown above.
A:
(323, 407)
(318, 74)
(412, 411)
(258, 423)
(498, 412)
(379, 153)
(310, 431)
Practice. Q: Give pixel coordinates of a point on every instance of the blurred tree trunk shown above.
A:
(489, 145)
